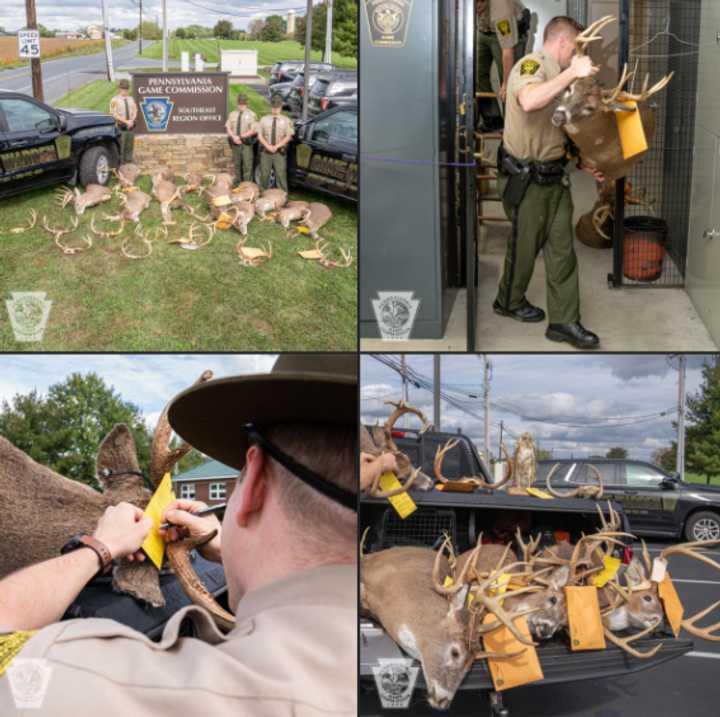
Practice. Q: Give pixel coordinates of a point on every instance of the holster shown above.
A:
(519, 177)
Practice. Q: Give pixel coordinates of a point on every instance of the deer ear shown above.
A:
(635, 573)
(117, 454)
(458, 601)
(558, 579)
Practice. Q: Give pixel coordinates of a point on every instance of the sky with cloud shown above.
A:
(572, 405)
(74, 14)
(148, 381)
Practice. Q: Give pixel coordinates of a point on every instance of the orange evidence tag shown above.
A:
(455, 486)
(632, 133)
(584, 619)
(671, 603)
(514, 671)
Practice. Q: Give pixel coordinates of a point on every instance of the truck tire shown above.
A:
(703, 525)
(95, 166)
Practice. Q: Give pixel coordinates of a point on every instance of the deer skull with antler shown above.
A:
(581, 491)
(586, 112)
(93, 195)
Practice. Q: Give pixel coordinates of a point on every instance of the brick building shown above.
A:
(211, 482)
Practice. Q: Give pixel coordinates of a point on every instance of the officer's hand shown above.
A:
(180, 513)
(582, 66)
(122, 528)
(599, 176)
(503, 91)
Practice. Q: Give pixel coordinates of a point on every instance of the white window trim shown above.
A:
(185, 489)
(219, 488)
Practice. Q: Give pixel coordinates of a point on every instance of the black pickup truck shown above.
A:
(463, 516)
(41, 145)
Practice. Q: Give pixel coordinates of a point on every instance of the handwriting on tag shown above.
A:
(403, 503)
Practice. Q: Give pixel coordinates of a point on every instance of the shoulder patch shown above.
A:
(10, 645)
(529, 67)
(503, 27)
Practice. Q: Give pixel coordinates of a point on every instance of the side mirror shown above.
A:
(301, 131)
(61, 123)
(668, 483)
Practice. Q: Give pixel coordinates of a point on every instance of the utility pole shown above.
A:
(140, 31)
(436, 391)
(486, 396)
(35, 66)
(328, 33)
(164, 37)
(404, 392)
(680, 460)
(308, 48)
(108, 42)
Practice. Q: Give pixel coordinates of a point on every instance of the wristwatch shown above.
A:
(80, 540)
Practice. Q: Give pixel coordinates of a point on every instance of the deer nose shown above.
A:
(559, 117)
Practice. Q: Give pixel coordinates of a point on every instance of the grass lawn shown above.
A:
(176, 299)
(90, 49)
(268, 52)
(695, 478)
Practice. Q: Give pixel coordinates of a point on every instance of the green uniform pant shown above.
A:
(243, 160)
(127, 146)
(544, 223)
(278, 162)
(487, 51)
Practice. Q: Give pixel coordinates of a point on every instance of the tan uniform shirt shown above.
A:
(500, 16)
(531, 135)
(119, 109)
(293, 653)
(248, 121)
(284, 128)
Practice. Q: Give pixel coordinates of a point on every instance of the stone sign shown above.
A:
(181, 102)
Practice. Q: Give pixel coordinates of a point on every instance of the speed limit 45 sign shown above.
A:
(29, 44)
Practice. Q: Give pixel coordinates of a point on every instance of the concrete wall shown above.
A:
(184, 152)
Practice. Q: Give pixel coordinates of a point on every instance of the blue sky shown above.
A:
(565, 401)
(149, 381)
(73, 14)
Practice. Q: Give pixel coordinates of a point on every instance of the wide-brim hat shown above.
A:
(300, 388)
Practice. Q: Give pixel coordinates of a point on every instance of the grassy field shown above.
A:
(694, 478)
(176, 299)
(51, 48)
(268, 52)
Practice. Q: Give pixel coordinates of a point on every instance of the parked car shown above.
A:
(285, 71)
(324, 153)
(656, 503)
(294, 98)
(495, 514)
(333, 89)
(41, 145)
(282, 89)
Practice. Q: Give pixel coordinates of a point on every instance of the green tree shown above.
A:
(63, 431)
(151, 30)
(344, 39)
(223, 29)
(192, 459)
(666, 458)
(180, 33)
(617, 452)
(274, 29)
(129, 34)
(44, 32)
(256, 28)
(702, 434)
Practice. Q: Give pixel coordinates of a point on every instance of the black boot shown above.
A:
(526, 312)
(575, 334)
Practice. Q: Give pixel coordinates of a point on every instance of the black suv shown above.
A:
(656, 503)
(41, 145)
(294, 97)
(324, 153)
(333, 89)
(286, 71)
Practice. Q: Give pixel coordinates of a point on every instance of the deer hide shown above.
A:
(598, 140)
(43, 509)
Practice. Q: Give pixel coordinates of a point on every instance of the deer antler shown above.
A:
(590, 34)
(624, 642)
(458, 582)
(139, 232)
(26, 228)
(376, 493)
(581, 491)
(72, 250)
(528, 549)
(57, 233)
(191, 242)
(609, 97)
(437, 467)
(401, 409)
(64, 196)
(645, 93)
(108, 234)
(346, 261)
(252, 256)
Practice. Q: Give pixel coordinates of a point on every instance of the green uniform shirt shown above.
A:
(531, 135)
(500, 16)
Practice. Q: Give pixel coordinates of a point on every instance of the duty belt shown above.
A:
(552, 172)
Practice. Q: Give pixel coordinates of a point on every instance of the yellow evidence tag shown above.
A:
(403, 503)
(612, 565)
(222, 201)
(10, 645)
(500, 584)
(449, 582)
(671, 603)
(515, 671)
(303, 230)
(584, 619)
(154, 545)
(539, 493)
(632, 133)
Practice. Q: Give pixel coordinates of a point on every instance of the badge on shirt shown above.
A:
(503, 27)
(529, 67)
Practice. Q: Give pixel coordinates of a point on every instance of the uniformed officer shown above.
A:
(124, 111)
(501, 28)
(242, 133)
(274, 132)
(288, 546)
(535, 188)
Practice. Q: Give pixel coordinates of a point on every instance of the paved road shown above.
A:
(688, 686)
(66, 74)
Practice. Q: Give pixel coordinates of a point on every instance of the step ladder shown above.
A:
(487, 169)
